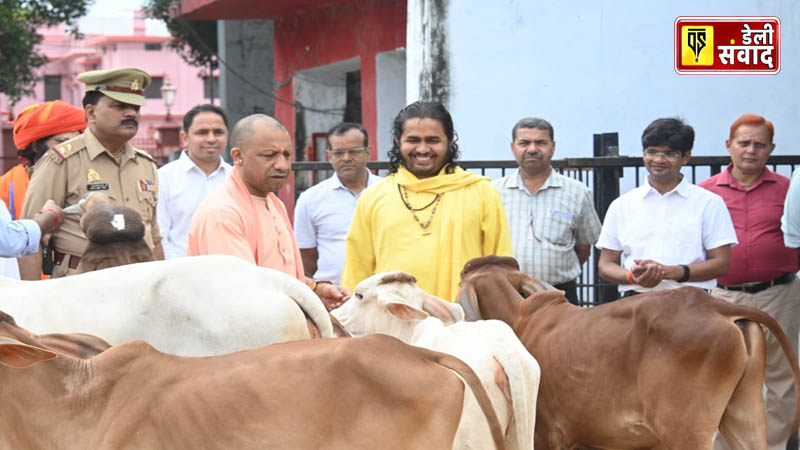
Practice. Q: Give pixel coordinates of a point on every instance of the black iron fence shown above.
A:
(606, 177)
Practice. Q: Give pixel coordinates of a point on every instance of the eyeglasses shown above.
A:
(351, 152)
(671, 154)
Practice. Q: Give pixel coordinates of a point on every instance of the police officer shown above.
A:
(99, 160)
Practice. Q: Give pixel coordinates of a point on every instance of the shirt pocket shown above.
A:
(686, 235)
(556, 228)
(145, 205)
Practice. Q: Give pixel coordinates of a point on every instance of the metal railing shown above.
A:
(606, 177)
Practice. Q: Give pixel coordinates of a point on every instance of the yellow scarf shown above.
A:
(451, 184)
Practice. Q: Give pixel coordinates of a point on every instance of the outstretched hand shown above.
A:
(332, 296)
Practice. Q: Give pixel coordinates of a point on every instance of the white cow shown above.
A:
(392, 303)
(194, 306)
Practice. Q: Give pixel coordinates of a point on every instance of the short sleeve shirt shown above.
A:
(546, 226)
(674, 228)
(322, 219)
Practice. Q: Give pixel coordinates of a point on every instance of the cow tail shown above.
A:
(523, 383)
(312, 306)
(736, 312)
(468, 375)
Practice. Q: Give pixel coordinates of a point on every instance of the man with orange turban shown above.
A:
(37, 129)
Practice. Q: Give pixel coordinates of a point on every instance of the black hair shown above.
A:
(342, 128)
(670, 131)
(35, 150)
(532, 122)
(91, 98)
(188, 118)
(423, 110)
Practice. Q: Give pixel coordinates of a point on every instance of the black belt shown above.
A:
(58, 258)
(758, 287)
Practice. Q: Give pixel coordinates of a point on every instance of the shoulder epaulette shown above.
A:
(145, 154)
(66, 149)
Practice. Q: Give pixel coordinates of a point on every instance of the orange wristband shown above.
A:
(629, 277)
(312, 284)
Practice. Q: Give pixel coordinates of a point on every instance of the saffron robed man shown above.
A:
(429, 216)
(101, 159)
(244, 218)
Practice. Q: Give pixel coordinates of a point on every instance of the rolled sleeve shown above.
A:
(19, 238)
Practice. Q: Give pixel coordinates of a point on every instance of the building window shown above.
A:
(154, 90)
(211, 87)
(152, 46)
(52, 87)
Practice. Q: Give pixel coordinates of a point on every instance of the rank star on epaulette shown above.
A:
(63, 150)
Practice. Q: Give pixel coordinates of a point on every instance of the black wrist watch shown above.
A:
(686, 274)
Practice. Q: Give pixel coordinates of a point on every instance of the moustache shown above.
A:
(130, 122)
(532, 156)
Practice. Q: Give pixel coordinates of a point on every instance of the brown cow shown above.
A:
(361, 393)
(661, 370)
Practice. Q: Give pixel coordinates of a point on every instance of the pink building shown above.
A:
(69, 57)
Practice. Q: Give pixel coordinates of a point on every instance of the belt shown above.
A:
(58, 258)
(758, 287)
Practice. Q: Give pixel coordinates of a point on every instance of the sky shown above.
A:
(115, 17)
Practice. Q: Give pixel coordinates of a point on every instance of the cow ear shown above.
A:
(468, 300)
(530, 285)
(79, 345)
(14, 353)
(404, 311)
(447, 312)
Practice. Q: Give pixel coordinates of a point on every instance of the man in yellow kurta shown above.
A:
(429, 216)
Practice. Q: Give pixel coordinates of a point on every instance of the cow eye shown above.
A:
(358, 295)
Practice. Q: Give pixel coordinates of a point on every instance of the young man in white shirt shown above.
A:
(185, 182)
(667, 232)
(323, 213)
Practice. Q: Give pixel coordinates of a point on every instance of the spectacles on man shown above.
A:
(351, 152)
(671, 154)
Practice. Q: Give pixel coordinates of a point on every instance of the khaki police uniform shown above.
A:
(71, 170)
(82, 165)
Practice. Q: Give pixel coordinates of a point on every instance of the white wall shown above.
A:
(599, 66)
(391, 87)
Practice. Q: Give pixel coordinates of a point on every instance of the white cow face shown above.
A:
(392, 303)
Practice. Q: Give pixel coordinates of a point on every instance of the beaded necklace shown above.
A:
(435, 202)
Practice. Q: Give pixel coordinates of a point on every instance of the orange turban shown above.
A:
(46, 119)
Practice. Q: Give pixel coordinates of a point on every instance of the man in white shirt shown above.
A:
(323, 213)
(552, 218)
(185, 182)
(667, 232)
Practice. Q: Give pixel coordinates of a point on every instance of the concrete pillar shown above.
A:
(246, 77)
(427, 51)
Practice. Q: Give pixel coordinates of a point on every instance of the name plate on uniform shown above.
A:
(97, 187)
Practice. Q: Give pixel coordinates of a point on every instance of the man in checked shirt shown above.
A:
(552, 217)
